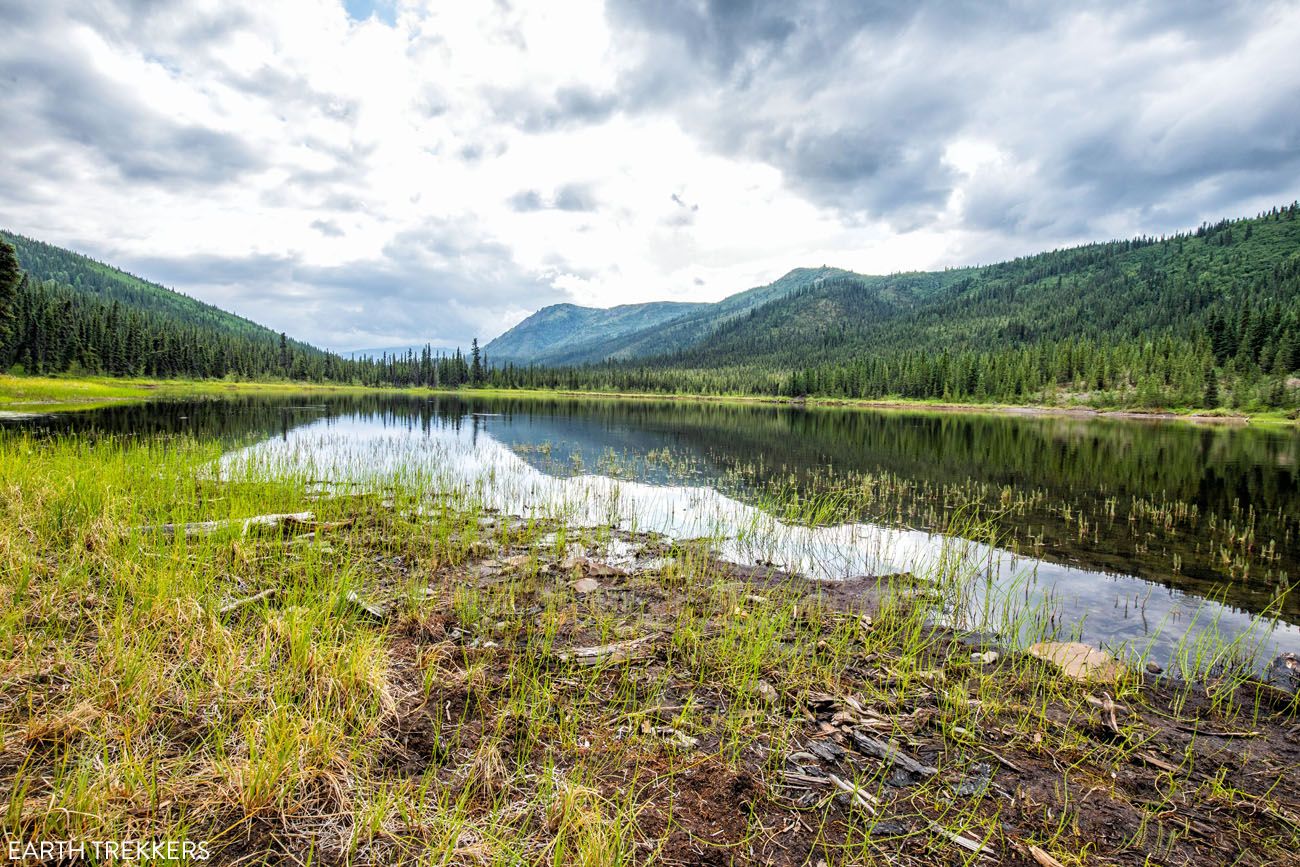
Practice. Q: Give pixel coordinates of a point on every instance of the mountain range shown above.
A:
(1151, 321)
(1109, 291)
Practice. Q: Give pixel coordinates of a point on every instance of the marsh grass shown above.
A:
(302, 728)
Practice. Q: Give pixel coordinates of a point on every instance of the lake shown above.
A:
(1115, 531)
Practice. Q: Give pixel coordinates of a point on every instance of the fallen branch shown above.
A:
(1216, 734)
(189, 531)
(964, 842)
(617, 652)
(279, 522)
(863, 799)
(250, 600)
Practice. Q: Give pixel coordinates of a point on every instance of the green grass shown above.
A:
(45, 394)
(299, 727)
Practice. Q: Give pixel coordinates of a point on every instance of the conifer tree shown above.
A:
(10, 277)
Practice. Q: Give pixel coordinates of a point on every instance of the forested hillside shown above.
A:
(1202, 318)
(567, 333)
(61, 312)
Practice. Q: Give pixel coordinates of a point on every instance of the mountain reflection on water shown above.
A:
(1120, 530)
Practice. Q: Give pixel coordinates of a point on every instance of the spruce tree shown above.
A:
(10, 274)
(1211, 398)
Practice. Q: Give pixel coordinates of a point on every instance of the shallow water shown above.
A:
(1117, 532)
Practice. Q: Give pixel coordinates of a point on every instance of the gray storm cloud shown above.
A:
(1100, 117)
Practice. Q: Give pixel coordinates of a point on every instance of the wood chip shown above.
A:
(1043, 858)
(1156, 762)
(964, 842)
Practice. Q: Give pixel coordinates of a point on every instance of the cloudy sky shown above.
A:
(373, 173)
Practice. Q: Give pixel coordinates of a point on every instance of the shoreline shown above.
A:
(629, 698)
(22, 397)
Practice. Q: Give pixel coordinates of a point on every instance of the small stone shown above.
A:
(1079, 661)
(985, 658)
(586, 585)
(976, 783)
(1284, 673)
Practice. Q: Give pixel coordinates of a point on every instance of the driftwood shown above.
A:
(250, 600)
(258, 523)
(882, 750)
(621, 651)
(189, 531)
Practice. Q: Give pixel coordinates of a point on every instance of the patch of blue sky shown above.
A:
(364, 10)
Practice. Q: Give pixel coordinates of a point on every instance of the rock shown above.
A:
(1284, 673)
(976, 783)
(985, 658)
(1079, 661)
(586, 585)
(980, 640)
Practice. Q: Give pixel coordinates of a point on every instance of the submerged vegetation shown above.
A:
(382, 671)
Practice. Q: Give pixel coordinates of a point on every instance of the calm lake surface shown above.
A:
(1115, 531)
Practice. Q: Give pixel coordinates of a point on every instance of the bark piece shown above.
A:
(889, 753)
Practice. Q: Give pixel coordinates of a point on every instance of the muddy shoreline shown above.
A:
(1159, 733)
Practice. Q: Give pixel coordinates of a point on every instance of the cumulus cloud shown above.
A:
(385, 172)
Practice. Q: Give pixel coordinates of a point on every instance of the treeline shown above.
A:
(1166, 372)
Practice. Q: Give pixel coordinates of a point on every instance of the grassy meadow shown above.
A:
(394, 675)
(47, 394)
